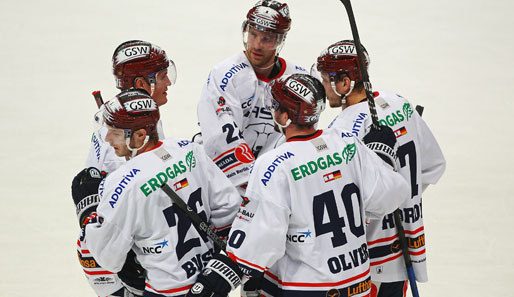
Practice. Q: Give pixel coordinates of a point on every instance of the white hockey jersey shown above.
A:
(235, 116)
(136, 214)
(303, 220)
(101, 156)
(422, 163)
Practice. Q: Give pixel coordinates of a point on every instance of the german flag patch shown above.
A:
(332, 176)
(181, 184)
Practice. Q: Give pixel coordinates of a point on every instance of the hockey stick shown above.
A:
(98, 98)
(404, 244)
(365, 77)
(197, 221)
(375, 125)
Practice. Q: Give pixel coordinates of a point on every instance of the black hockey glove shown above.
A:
(220, 276)
(84, 190)
(383, 143)
(132, 275)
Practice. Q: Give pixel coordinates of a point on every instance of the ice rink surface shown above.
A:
(453, 57)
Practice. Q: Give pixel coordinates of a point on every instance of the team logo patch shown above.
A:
(181, 184)
(332, 176)
(400, 132)
(222, 107)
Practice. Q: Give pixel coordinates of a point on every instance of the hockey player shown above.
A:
(233, 110)
(302, 223)
(422, 162)
(134, 213)
(136, 64)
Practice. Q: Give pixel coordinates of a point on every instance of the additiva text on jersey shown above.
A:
(230, 73)
(121, 186)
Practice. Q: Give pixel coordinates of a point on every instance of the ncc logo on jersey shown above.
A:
(132, 52)
(299, 237)
(155, 248)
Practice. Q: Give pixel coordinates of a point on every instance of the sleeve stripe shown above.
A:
(291, 284)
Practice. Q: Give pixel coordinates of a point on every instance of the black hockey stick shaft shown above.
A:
(404, 244)
(98, 98)
(197, 221)
(364, 71)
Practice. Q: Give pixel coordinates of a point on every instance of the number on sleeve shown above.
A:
(409, 149)
(230, 129)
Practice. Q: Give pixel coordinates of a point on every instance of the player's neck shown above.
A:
(355, 97)
(295, 131)
(268, 71)
(152, 144)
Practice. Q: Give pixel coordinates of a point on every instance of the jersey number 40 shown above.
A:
(336, 223)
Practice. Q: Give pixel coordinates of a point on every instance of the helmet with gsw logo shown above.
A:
(271, 17)
(301, 95)
(341, 57)
(132, 110)
(136, 58)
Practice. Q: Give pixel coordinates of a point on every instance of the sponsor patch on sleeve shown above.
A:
(247, 210)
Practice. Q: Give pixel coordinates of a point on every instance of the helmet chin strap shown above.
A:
(343, 96)
(281, 127)
(134, 150)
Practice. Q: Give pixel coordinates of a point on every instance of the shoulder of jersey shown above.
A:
(294, 68)
(232, 65)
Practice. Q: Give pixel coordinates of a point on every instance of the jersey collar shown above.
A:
(305, 137)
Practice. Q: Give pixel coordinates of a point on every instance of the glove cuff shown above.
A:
(86, 206)
(223, 268)
(385, 152)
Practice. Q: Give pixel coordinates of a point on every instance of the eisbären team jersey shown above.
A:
(101, 156)
(235, 116)
(421, 163)
(304, 218)
(136, 214)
